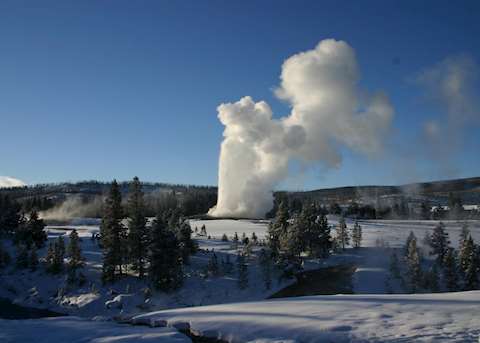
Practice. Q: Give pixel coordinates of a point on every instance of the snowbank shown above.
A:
(451, 317)
(76, 330)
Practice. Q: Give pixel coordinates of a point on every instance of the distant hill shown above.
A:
(467, 189)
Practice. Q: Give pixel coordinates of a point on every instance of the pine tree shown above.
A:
(74, 253)
(265, 261)
(357, 235)
(22, 257)
(472, 271)
(242, 269)
(431, 279)
(450, 270)
(411, 236)
(467, 249)
(112, 235)
(244, 238)
(464, 234)
(227, 265)
(4, 256)
(184, 237)
(36, 228)
(394, 266)
(55, 256)
(414, 271)
(203, 230)
(165, 261)
(235, 239)
(224, 238)
(137, 227)
(342, 233)
(33, 259)
(277, 229)
(212, 266)
(440, 242)
(254, 238)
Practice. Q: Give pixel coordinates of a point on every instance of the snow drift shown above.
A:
(329, 111)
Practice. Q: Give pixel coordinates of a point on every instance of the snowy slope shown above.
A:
(77, 330)
(441, 317)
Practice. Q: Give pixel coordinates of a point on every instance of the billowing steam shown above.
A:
(329, 111)
(6, 182)
(74, 207)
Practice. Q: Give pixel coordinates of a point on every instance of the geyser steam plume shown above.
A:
(329, 111)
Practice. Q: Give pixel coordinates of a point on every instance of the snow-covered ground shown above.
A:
(78, 330)
(446, 317)
(126, 297)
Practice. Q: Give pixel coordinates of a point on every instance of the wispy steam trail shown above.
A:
(329, 110)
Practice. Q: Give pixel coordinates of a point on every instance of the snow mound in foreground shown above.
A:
(446, 317)
(77, 330)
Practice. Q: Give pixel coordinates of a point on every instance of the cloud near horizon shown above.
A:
(6, 182)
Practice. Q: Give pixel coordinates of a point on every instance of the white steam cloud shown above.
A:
(6, 182)
(329, 110)
(451, 85)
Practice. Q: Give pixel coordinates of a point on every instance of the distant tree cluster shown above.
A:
(452, 269)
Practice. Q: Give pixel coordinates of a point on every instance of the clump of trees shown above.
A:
(451, 269)
(157, 253)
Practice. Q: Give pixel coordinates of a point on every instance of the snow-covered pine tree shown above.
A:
(165, 270)
(74, 253)
(113, 234)
(277, 229)
(242, 270)
(414, 270)
(471, 265)
(464, 234)
(266, 265)
(410, 237)
(440, 242)
(342, 233)
(357, 235)
(137, 228)
(450, 270)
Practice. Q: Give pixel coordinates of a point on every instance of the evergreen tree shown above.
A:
(4, 256)
(36, 228)
(431, 279)
(55, 256)
(184, 237)
(22, 257)
(266, 267)
(357, 235)
(227, 265)
(224, 238)
(450, 270)
(277, 229)
(235, 239)
(137, 227)
(323, 240)
(440, 242)
(74, 252)
(471, 265)
(9, 215)
(410, 237)
(33, 259)
(242, 269)
(203, 230)
(467, 249)
(244, 238)
(212, 266)
(394, 266)
(254, 238)
(464, 234)
(112, 235)
(342, 233)
(414, 271)
(165, 261)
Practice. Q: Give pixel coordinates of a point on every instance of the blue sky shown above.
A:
(114, 89)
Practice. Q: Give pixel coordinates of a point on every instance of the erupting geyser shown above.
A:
(329, 110)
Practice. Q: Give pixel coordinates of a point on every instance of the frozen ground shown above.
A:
(77, 330)
(447, 317)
